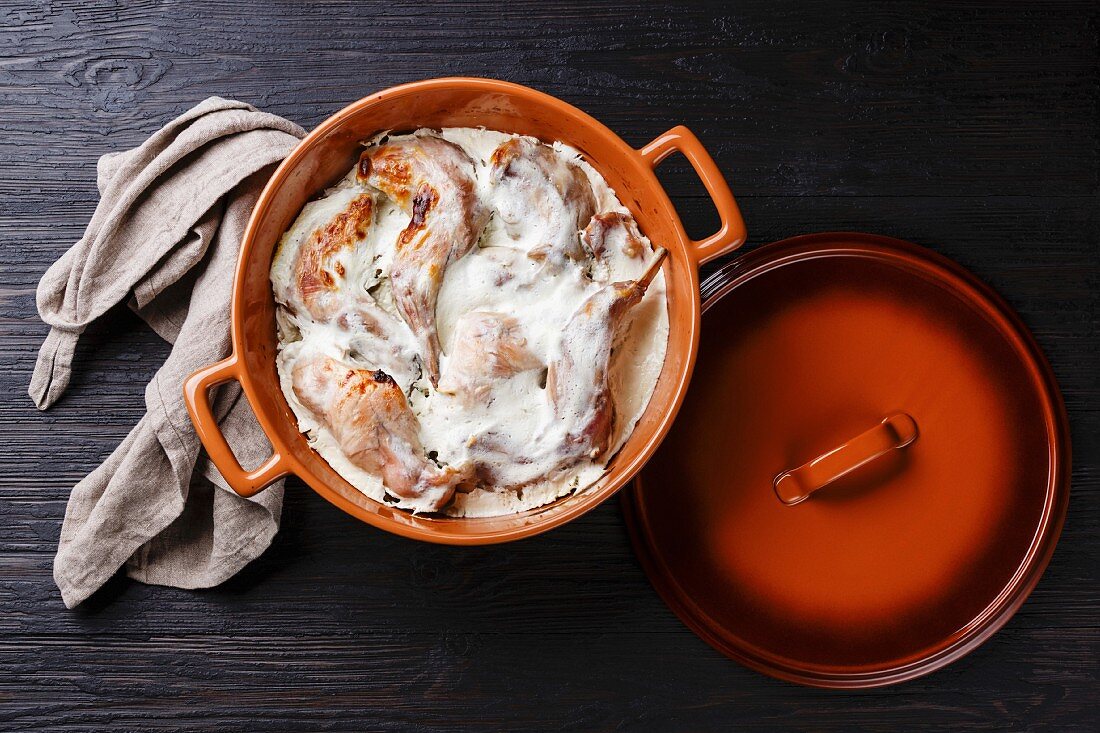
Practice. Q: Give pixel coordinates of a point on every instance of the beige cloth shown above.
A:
(165, 237)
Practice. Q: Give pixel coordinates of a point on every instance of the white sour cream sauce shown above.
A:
(499, 276)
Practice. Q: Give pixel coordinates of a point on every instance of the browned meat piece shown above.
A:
(541, 193)
(577, 381)
(319, 272)
(487, 347)
(583, 414)
(371, 420)
(432, 180)
(613, 229)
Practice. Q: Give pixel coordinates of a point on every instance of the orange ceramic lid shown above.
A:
(869, 472)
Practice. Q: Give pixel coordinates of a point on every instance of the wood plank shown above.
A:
(972, 128)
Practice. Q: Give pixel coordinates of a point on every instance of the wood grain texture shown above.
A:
(972, 128)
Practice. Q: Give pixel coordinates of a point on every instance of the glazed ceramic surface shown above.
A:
(325, 155)
(869, 473)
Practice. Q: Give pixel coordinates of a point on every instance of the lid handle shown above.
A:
(895, 431)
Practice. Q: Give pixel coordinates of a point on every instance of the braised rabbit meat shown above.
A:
(470, 322)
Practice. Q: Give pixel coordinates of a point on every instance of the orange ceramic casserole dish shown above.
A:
(325, 155)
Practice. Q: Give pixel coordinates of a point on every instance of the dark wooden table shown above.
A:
(972, 128)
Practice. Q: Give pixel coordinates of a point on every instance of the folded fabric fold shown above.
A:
(165, 238)
(52, 370)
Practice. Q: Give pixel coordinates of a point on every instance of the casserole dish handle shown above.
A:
(731, 234)
(196, 394)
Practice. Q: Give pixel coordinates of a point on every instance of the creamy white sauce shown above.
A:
(497, 276)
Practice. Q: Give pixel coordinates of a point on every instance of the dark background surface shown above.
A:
(972, 128)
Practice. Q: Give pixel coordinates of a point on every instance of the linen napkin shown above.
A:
(165, 237)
